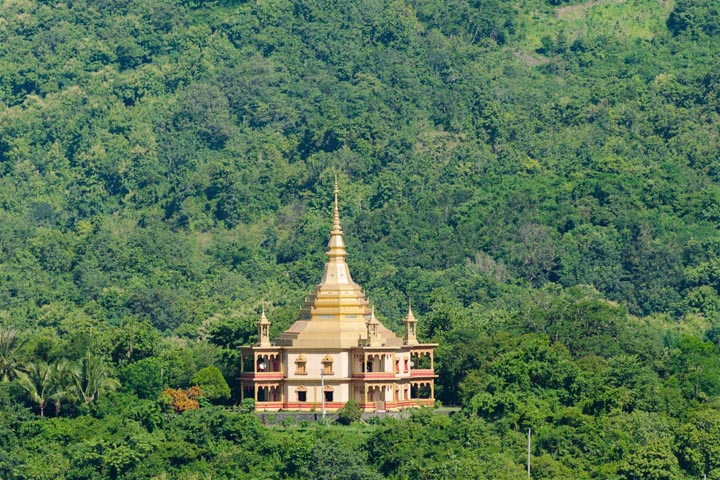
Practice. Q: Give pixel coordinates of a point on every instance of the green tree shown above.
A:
(695, 366)
(36, 380)
(697, 444)
(133, 340)
(334, 460)
(62, 383)
(247, 405)
(144, 377)
(212, 383)
(654, 461)
(695, 17)
(10, 362)
(93, 379)
(349, 413)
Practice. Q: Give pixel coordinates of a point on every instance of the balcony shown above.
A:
(262, 376)
(374, 376)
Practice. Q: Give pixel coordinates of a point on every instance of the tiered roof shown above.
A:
(336, 313)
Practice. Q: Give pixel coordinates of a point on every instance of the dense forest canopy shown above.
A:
(541, 178)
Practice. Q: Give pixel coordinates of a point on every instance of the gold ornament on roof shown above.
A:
(263, 330)
(410, 328)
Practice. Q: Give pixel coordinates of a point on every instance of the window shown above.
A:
(327, 365)
(262, 394)
(247, 363)
(262, 364)
(248, 392)
(301, 394)
(300, 365)
(328, 396)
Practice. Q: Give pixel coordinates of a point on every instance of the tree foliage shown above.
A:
(212, 383)
(540, 178)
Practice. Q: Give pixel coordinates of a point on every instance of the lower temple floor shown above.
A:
(371, 397)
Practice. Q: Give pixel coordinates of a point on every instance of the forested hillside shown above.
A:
(540, 178)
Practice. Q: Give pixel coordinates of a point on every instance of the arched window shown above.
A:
(300, 365)
(329, 394)
(327, 364)
(301, 394)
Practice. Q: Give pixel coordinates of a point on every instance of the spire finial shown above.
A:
(337, 228)
(373, 319)
(263, 317)
(336, 270)
(410, 317)
(336, 190)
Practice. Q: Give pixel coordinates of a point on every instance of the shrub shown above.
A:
(247, 405)
(351, 412)
(212, 383)
(184, 399)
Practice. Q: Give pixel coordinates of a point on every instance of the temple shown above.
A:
(337, 350)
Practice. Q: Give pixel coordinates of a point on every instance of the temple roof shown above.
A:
(336, 313)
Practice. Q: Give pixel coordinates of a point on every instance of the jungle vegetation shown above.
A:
(540, 178)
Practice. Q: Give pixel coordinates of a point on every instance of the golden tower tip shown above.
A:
(337, 228)
(373, 318)
(410, 322)
(263, 317)
(263, 330)
(410, 317)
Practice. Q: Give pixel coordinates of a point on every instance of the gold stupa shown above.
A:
(336, 313)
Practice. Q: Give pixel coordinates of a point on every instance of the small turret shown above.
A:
(410, 322)
(374, 339)
(263, 330)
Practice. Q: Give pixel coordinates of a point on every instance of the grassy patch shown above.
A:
(628, 19)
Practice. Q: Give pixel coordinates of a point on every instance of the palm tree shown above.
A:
(62, 382)
(93, 379)
(36, 381)
(10, 345)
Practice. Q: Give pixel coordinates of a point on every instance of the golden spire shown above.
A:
(336, 244)
(337, 228)
(336, 313)
(336, 270)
